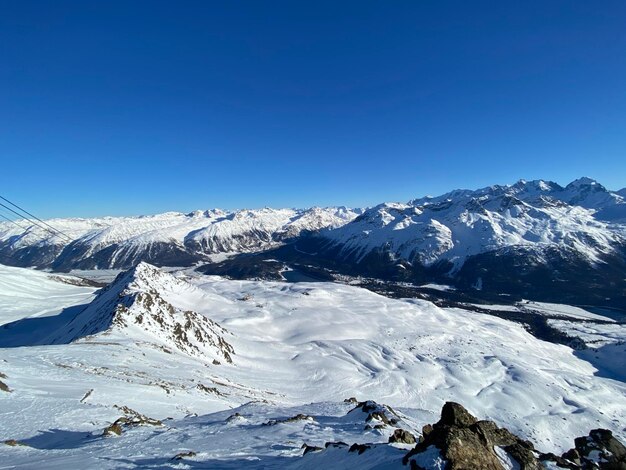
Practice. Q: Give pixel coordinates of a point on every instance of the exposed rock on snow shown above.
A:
(3, 387)
(121, 423)
(133, 306)
(600, 449)
(376, 415)
(298, 417)
(13, 443)
(184, 455)
(131, 419)
(402, 436)
(465, 442)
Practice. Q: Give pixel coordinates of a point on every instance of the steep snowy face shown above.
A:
(460, 224)
(135, 306)
(171, 238)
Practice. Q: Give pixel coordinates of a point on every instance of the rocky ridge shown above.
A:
(134, 306)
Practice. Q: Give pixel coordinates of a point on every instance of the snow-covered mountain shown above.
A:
(583, 217)
(167, 239)
(533, 238)
(115, 392)
(464, 223)
(135, 305)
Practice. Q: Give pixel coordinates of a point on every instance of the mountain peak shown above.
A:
(146, 277)
(583, 181)
(145, 271)
(537, 185)
(138, 305)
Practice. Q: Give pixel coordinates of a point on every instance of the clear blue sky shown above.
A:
(129, 107)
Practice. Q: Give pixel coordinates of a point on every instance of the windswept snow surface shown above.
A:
(298, 348)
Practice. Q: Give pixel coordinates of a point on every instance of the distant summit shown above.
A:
(462, 223)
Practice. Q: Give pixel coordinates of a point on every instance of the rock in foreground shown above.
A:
(463, 442)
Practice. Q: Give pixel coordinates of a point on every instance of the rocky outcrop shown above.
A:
(14, 443)
(135, 305)
(3, 387)
(460, 441)
(307, 448)
(292, 419)
(132, 419)
(359, 448)
(377, 416)
(184, 455)
(599, 450)
(402, 436)
(467, 443)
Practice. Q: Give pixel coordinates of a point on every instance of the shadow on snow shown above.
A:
(38, 331)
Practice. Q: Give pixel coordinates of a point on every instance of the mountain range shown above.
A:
(164, 367)
(532, 238)
(171, 238)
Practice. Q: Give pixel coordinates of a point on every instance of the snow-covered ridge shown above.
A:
(135, 306)
(169, 238)
(582, 216)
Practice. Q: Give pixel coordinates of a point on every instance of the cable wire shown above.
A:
(59, 234)
(35, 217)
(13, 222)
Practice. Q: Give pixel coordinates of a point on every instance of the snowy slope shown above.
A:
(22, 292)
(170, 238)
(298, 349)
(134, 305)
(460, 224)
